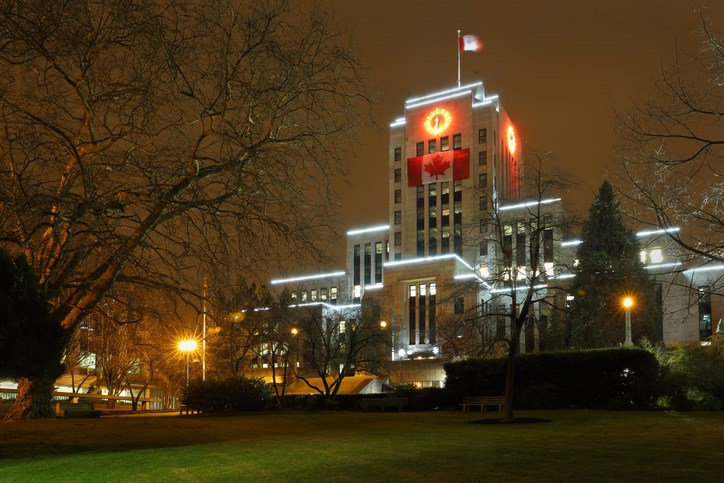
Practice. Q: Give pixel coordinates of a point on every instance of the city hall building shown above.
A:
(454, 158)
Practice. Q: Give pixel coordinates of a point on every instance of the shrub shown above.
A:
(609, 378)
(232, 394)
(695, 377)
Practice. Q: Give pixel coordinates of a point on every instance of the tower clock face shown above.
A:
(438, 121)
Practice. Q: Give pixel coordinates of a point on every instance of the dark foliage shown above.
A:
(610, 268)
(608, 379)
(31, 339)
(233, 394)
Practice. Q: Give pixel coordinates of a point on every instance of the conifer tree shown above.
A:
(609, 268)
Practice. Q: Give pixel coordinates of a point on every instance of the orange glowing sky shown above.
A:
(561, 67)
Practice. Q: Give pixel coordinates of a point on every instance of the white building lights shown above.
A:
(432, 259)
(303, 278)
(571, 243)
(436, 96)
(371, 229)
(529, 204)
(663, 231)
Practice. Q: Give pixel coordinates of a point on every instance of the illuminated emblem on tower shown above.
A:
(438, 121)
(512, 143)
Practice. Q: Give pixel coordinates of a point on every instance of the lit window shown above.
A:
(313, 295)
(357, 291)
(643, 256)
(656, 256)
(484, 271)
(342, 326)
(549, 268)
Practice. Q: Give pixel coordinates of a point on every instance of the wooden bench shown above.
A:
(484, 402)
(186, 409)
(384, 402)
(67, 409)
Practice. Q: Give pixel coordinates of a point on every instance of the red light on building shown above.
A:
(512, 142)
(437, 121)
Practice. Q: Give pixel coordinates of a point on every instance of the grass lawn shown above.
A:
(351, 446)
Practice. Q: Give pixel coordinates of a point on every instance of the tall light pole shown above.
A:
(627, 304)
(187, 346)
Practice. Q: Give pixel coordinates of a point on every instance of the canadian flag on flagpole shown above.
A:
(470, 43)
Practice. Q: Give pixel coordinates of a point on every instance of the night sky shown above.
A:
(560, 67)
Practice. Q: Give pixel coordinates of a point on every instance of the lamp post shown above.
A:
(627, 304)
(187, 346)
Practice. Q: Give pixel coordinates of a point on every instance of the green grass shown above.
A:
(350, 446)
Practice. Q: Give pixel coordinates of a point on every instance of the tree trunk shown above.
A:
(34, 400)
(510, 375)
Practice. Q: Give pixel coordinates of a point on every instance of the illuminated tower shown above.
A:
(451, 156)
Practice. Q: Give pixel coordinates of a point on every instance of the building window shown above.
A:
(444, 143)
(457, 141)
(520, 245)
(483, 203)
(420, 148)
(356, 263)
(482, 136)
(368, 264)
(378, 263)
(483, 158)
(483, 180)
(398, 196)
(398, 175)
(484, 248)
(333, 295)
(704, 313)
(323, 294)
(398, 154)
(398, 217)
(483, 226)
(432, 146)
(313, 294)
(398, 257)
(460, 305)
(398, 238)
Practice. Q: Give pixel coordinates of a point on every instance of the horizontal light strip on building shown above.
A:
(444, 93)
(466, 276)
(487, 101)
(308, 277)
(400, 121)
(673, 229)
(565, 276)
(438, 99)
(709, 268)
(325, 304)
(571, 243)
(437, 258)
(359, 231)
(528, 204)
(662, 265)
(517, 289)
(373, 287)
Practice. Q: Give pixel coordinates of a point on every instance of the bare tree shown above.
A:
(515, 293)
(142, 140)
(335, 344)
(672, 149)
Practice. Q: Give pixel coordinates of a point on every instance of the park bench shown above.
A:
(68, 409)
(383, 402)
(483, 402)
(188, 410)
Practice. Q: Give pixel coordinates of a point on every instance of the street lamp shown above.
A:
(187, 346)
(627, 304)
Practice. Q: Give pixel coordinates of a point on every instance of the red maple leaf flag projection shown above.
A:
(432, 168)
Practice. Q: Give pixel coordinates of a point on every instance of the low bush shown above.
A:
(233, 394)
(608, 379)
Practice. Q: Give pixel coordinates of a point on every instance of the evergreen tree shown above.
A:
(609, 268)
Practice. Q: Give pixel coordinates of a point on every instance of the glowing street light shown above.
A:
(188, 346)
(627, 304)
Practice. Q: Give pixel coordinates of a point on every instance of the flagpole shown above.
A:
(458, 49)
